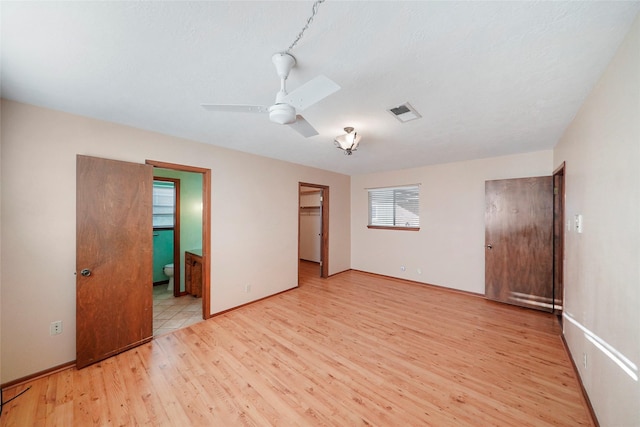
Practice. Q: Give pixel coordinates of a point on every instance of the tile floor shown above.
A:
(171, 313)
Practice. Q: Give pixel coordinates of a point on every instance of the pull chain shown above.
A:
(314, 11)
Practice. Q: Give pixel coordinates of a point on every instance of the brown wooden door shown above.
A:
(114, 305)
(519, 241)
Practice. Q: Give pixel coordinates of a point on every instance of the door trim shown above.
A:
(558, 238)
(324, 239)
(206, 226)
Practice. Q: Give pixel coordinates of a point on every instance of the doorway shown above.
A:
(313, 225)
(114, 254)
(188, 243)
(174, 307)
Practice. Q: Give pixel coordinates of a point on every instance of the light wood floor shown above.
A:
(355, 349)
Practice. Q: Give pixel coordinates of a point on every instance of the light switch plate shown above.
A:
(578, 220)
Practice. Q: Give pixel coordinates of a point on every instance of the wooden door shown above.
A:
(519, 241)
(114, 296)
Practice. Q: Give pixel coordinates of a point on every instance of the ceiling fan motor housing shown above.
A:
(284, 62)
(282, 114)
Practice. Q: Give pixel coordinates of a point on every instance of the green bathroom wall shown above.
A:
(162, 253)
(190, 212)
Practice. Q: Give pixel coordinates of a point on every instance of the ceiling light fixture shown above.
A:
(349, 141)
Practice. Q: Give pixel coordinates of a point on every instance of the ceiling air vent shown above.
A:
(404, 112)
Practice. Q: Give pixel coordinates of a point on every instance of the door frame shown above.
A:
(206, 226)
(324, 226)
(176, 232)
(559, 194)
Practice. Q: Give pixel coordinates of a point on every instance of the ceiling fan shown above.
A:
(285, 110)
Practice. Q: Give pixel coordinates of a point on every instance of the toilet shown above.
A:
(168, 271)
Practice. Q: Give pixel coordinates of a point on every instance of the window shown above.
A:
(395, 207)
(164, 201)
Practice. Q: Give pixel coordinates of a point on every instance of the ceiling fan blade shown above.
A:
(236, 108)
(311, 92)
(303, 127)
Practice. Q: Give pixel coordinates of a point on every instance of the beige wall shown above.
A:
(601, 149)
(39, 148)
(449, 248)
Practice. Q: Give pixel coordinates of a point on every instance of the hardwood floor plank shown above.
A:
(153, 362)
(286, 369)
(354, 349)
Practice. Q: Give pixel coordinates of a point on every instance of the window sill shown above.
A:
(379, 227)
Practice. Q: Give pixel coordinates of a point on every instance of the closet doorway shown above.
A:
(313, 225)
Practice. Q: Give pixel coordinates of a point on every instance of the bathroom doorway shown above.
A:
(192, 233)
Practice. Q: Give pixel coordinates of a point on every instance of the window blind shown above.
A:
(394, 207)
(163, 204)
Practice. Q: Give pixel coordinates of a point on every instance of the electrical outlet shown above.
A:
(402, 268)
(55, 328)
(419, 271)
(247, 288)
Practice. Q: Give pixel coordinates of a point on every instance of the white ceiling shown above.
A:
(489, 78)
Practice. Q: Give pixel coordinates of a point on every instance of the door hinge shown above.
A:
(555, 191)
(321, 199)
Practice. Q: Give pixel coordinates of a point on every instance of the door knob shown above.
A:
(85, 272)
(489, 246)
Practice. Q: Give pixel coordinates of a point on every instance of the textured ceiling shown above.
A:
(489, 78)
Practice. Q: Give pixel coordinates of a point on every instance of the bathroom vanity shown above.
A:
(193, 272)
